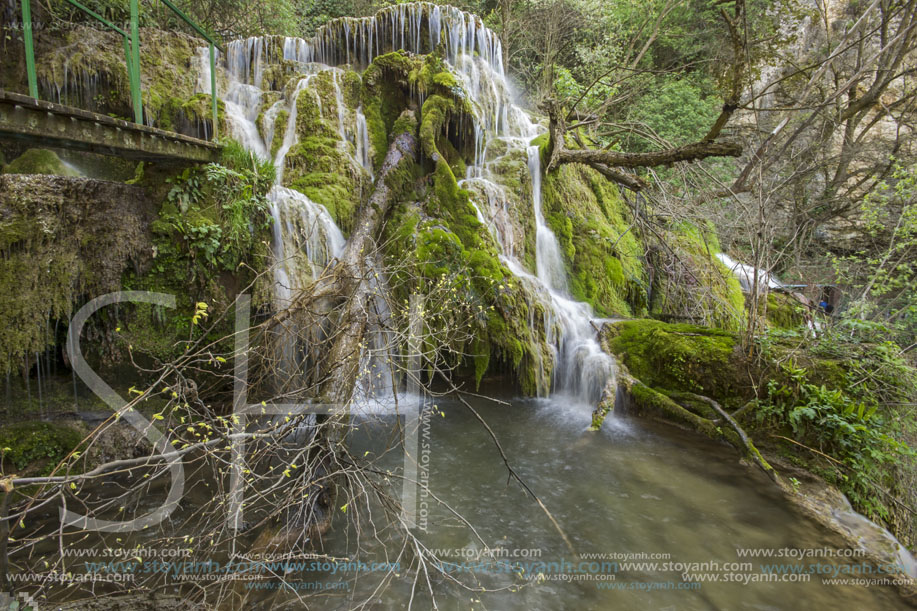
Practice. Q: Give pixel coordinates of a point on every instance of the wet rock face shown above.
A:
(62, 239)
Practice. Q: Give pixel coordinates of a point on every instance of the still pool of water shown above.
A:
(633, 488)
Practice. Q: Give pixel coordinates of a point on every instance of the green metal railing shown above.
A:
(131, 53)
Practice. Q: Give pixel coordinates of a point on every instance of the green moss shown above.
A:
(784, 311)
(597, 236)
(436, 110)
(509, 168)
(39, 161)
(276, 76)
(452, 156)
(96, 55)
(457, 246)
(385, 93)
(317, 165)
(437, 251)
(165, 69)
(541, 141)
(406, 123)
(833, 371)
(480, 354)
(317, 168)
(460, 244)
(280, 128)
(651, 402)
(376, 128)
(691, 283)
(445, 79)
(678, 357)
(61, 241)
(195, 110)
(26, 443)
(351, 88)
(212, 232)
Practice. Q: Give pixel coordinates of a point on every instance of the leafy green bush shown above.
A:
(212, 233)
(852, 434)
(881, 277)
(215, 212)
(26, 442)
(677, 110)
(225, 18)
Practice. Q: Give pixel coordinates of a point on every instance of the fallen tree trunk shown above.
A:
(331, 317)
(344, 290)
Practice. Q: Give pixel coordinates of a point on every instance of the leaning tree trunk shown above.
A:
(341, 362)
(343, 291)
(343, 295)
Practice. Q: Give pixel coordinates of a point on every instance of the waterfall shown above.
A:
(583, 369)
(548, 262)
(305, 237)
(241, 103)
(300, 226)
(362, 143)
(746, 274)
(289, 137)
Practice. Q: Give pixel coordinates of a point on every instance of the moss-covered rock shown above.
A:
(36, 446)
(322, 165)
(39, 161)
(210, 236)
(439, 236)
(515, 335)
(86, 69)
(785, 311)
(192, 116)
(647, 401)
(690, 283)
(679, 357)
(596, 232)
(63, 239)
(386, 91)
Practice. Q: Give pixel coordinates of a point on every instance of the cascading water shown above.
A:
(305, 237)
(548, 262)
(362, 143)
(746, 274)
(583, 369)
(474, 53)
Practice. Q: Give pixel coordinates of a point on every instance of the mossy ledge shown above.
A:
(62, 239)
(39, 161)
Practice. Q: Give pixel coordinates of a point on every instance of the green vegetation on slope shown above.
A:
(599, 240)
